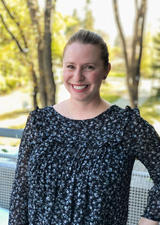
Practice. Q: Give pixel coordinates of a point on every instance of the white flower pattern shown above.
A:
(78, 172)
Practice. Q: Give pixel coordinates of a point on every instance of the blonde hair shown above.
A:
(89, 37)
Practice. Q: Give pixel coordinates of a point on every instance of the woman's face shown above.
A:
(83, 71)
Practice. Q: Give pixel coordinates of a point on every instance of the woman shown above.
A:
(76, 158)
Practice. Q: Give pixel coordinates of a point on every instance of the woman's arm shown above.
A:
(146, 148)
(18, 211)
(144, 221)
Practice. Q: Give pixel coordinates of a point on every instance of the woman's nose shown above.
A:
(78, 74)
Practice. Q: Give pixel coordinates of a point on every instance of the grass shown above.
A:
(13, 114)
(150, 110)
(109, 97)
(19, 126)
(116, 74)
(109, 93)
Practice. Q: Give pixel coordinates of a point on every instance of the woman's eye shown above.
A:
(89, 67)
(71, 67)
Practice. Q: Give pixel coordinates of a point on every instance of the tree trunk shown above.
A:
(35, 87)
(132, 85)
(133, 66)
(34, 14)
(47, 55)
(42, 82)
(46, 82)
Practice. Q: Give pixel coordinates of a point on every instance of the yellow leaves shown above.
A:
(7, 51)
(4, 49)
(60, 24)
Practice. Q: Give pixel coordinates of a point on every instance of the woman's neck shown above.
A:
(82, 106)
(82, 110)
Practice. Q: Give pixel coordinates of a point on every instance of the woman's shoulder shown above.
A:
(126, 112)
(40, 116)
(127, 109)
(136, 122)
(130, 116)
(40, 112)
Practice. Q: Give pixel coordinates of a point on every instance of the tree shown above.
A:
(156, 60)
(132, 63)
(44, 80)
(47, 87)
(10, 16)
(88, 21)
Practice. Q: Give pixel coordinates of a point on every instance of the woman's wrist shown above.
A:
(144, 221)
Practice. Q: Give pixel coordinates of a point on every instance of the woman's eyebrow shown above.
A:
(68, 62)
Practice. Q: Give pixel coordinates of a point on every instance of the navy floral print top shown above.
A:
(78, 172)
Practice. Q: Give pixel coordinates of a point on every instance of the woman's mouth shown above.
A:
(79, 88)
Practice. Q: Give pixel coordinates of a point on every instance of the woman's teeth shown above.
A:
(80, 87)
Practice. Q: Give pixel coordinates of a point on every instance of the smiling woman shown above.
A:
(76, 158)
(83, 71)
(85, 66)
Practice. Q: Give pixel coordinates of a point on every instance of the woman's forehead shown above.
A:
(78, 50)
(82, 45)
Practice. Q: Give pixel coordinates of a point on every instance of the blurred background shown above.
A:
(33, 34)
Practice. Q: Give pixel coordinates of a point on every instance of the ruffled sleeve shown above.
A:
(18, 201)
(147, 150)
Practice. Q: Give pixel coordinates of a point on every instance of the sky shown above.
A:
(104, 17)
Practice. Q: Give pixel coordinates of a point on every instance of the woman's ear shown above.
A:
(107, 70)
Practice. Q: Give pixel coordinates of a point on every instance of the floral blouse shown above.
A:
(78, 172)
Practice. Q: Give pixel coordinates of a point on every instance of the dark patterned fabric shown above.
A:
(78, 172)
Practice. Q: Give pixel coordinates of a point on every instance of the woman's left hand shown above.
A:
(144, 221)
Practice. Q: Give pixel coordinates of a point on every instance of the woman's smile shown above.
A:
(79, 88)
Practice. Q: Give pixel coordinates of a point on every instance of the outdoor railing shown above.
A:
(11, 133)
(140, 182)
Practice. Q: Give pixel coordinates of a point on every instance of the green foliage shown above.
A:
(107, 93)
(13, 73)
(147, 56)
(156, 59)
(60, 24)
(150, 110)
(72, 28)
(116, 74)
(88, 22)
(4, 150)
(13, 67)
(117, 59)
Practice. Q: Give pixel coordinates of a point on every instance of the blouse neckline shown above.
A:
(107, 111)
